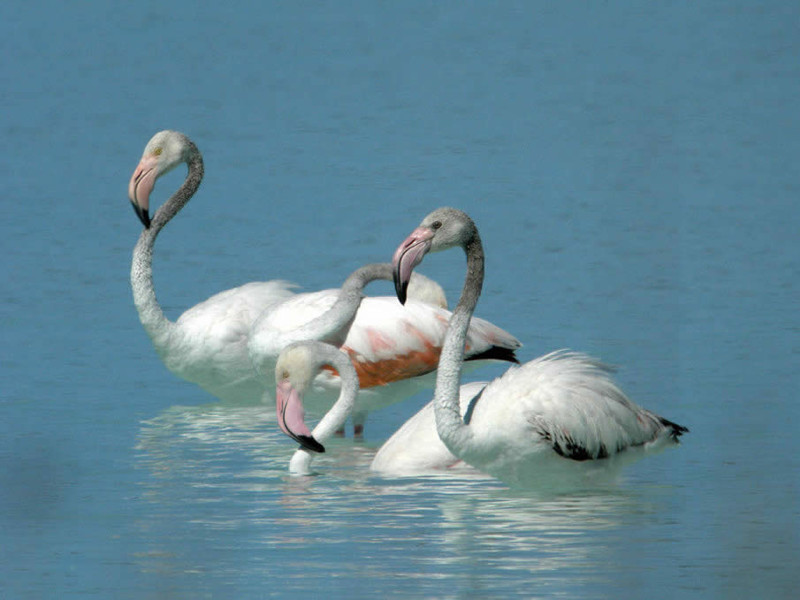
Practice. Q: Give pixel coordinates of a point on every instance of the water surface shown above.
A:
(632, 173)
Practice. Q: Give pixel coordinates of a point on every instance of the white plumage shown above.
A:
(207, 345)
(394, 348)
(415, 448)
(555, 415)
(217, 343)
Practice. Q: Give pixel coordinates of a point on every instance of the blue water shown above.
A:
(632, 169)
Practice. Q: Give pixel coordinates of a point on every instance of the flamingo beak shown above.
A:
(407, 256)
(141, 185)
(291, 416)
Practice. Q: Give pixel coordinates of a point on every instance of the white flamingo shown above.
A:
(297, 366)
(391, 346)
(208, 344)
(415, 448)
(546, 416)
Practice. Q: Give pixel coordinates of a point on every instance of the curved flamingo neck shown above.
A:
(155, 322)
(335, 418)
(334, 324)
(455, 434)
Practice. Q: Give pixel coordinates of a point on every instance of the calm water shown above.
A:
(633, 173)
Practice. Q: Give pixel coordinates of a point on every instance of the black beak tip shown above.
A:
(401, 289)
(143, 215)
(309, 443)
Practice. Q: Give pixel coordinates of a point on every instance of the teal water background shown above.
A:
(632, 169)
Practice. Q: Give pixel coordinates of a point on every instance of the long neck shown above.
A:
(334, 324)
(336, 417)
(452, 430)
(155, 322)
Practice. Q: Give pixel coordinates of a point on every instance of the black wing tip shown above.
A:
(676, 430)
(309, 443)
(496, 353)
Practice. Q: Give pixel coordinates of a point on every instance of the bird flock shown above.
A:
(341, 355)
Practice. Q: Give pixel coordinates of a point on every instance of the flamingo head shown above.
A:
(165, 151)
(441, 229)
(294, 372)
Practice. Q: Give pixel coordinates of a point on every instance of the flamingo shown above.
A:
(392, 347)
(546, 416)
(298, 364)
(209, 343)
(415, 448)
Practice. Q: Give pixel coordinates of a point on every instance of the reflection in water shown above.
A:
(217, 492)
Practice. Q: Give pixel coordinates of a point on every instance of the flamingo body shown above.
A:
(416, 448)
(209, 346)
(545, 417)
(557, 410)
(387, 341)
(394, 348)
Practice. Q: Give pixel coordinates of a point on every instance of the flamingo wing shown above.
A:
(228, 315)
(297, 311)
(389, 341)
(568, 402)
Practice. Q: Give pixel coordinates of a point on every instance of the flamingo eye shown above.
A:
(436, 225)
(158, 151)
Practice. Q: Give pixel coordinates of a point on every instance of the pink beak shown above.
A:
(407, 256)
(291, 416)
(141, 185)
